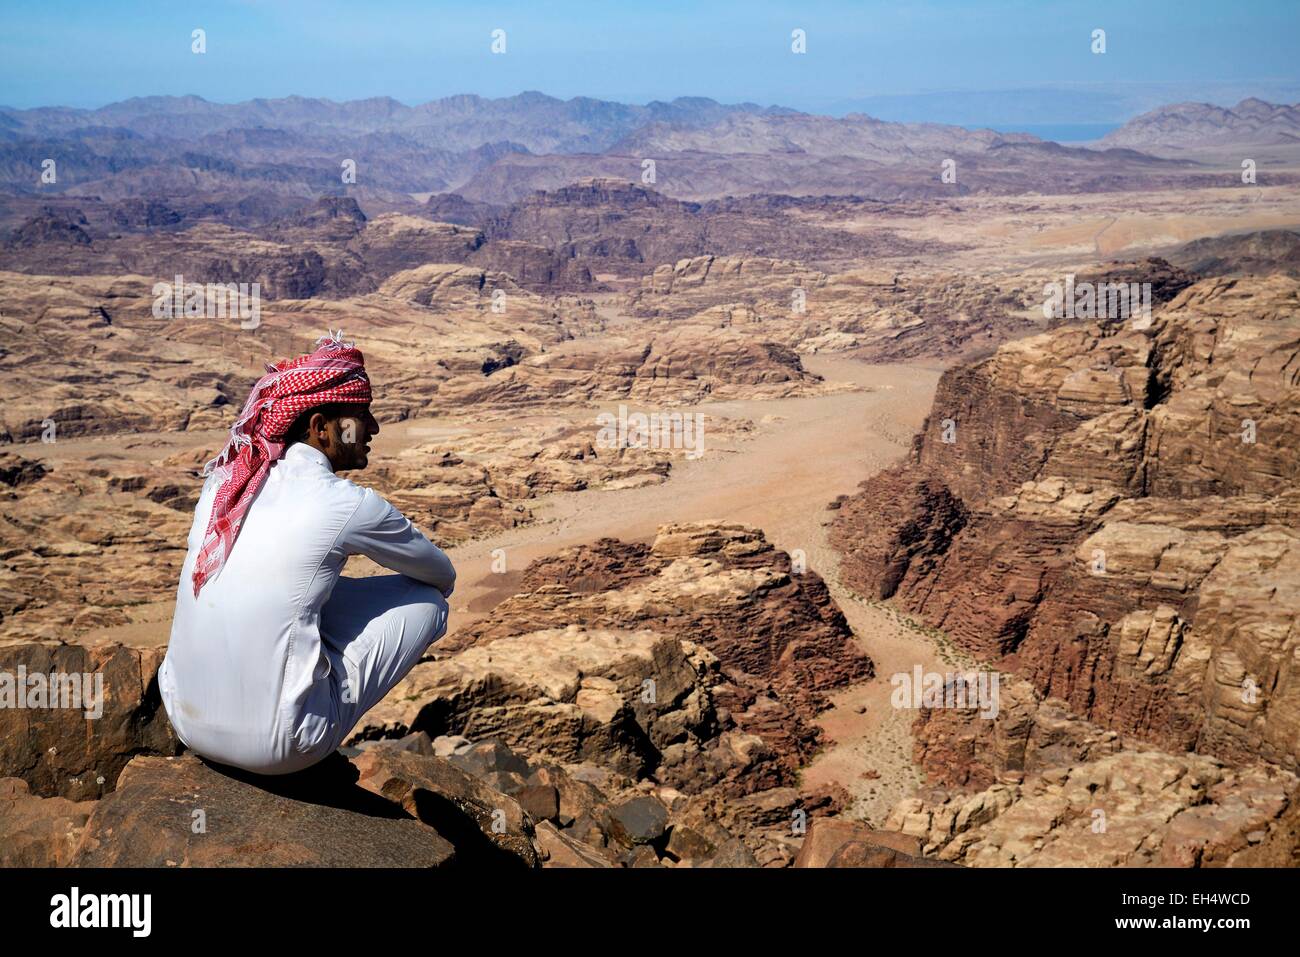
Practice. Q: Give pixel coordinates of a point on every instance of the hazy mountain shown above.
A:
(539, 123)
(854, 135)
(1195, 125)
(498, 151)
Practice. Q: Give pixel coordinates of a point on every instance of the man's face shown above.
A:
(348, 444)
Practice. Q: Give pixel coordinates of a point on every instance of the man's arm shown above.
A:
(382, 533)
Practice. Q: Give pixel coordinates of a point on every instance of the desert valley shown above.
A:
(878, 463)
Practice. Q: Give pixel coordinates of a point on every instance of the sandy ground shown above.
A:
(1008, 233)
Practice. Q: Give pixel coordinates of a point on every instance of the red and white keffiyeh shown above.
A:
(335, 372)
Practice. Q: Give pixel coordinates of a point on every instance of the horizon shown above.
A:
(935, 61)
(414, 104)
(1063, 132)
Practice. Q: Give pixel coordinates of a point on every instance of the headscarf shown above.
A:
(335, 372)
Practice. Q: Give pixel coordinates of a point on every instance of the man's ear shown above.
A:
(316, 428)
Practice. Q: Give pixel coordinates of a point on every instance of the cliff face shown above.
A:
(1112, 513)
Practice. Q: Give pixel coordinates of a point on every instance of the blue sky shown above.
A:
(98, 51)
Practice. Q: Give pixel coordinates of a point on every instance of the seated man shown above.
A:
(273, 657)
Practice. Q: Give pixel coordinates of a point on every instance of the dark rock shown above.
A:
(685, 843)
(181, 812)
(575, 797)
(488, 756)
(642, 820)
(541, 801)
(67, 751)
(16, 470)
(487, 827)
(732, 853)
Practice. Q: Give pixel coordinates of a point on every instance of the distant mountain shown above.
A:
(854, 135)
(1185, 126)
(538, 123)
(195, 153)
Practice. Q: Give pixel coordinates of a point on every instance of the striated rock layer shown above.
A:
(1113, 513)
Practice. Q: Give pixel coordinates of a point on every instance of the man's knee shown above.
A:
(430, 609)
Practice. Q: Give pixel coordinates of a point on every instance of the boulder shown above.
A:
(488, 828)
(106, 710)
(559, 849)
(181, 812)
(642, 820)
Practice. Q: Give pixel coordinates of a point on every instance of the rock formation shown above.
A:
(1128, 809)
(877, 314)
(605, 656)
(1080, 507)
(1109, 512)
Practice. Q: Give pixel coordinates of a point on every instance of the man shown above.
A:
(273, 656)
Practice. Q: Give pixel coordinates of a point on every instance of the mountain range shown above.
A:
(499, 151)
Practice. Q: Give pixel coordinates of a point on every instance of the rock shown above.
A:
(828, 836)
(742, 592)
(733, 853)
(878, 313)
(685, 843)
(772, 807)
(1254, 253)
(507, 782)
(575, 797)
(180, 812)
(16, 470)
(640, 856)
(1129, 809)
(958, 748)
(78, 752)
(487, 827)
(867, 854)
(1175, 128)
(445, 745)
(416, 743)
(485, 757)
(554, 702)
(37, 831)
(639, 821)
(558, 849)
(588, 829)
(628, 229)
(540, 801)
(1098, 526)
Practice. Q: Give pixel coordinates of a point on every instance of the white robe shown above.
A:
(271, 666)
